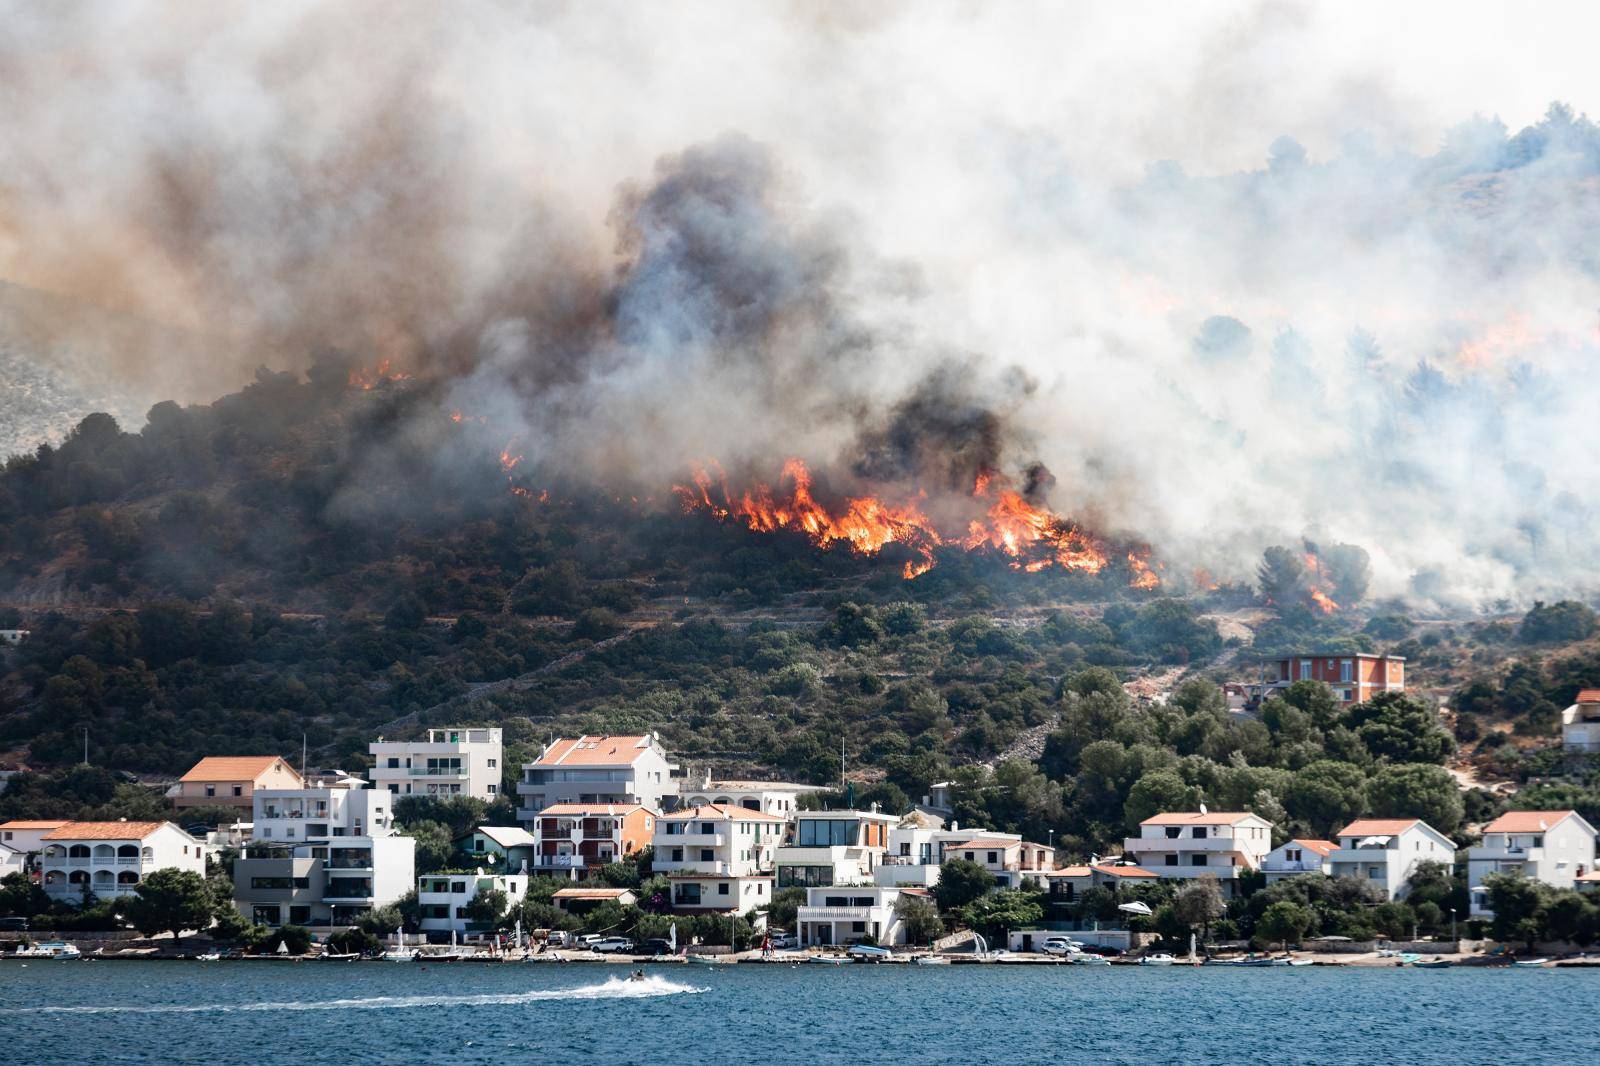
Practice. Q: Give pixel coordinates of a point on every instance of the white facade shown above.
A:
(11, 861)
(839, 915)
(773, 797)
(443, 898)
(1298, 857)
(1183, 846)
(1580, 723)
(632, 770)
(28, 836)
(718, 858)
(1010, 859)
(453, 761)
(1556, 847)
(833, 848)
(1384, 852)
(109, 859)
(322, 857)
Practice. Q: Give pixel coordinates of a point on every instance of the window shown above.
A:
(1292, 854)
(211, 790)
(1172, 860)
(394, 763)
(707, 855)
(238, 790)
(1198, 833)
(492, 763)
(994, 856)
(493, 789)
(722, 888)
(458, 886)
(1173, 832)
(266, 915)
(825, 832)
(687, 895)
(1305, 669)
(804, 876)
(677, 854)
(1344, 671)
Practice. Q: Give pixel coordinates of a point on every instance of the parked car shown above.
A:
(1060, 945)
(654, 946)
(781, 941)
(612, 945)
(557, 938)
(586, 940)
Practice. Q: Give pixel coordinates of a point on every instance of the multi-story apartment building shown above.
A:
(232, 780)
(1296, 857)
(1580, 723)
(837, 915)
(718, 858)
(574, 840)
(1185, 845)
(443, 899)
(452, 761)
(1556, 847)
(109, 859)
(619, 770)
(1354, 677)
(833, 848)
(322, 857)
(1384, 852)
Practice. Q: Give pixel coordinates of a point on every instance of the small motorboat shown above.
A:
(1084, 958)
(1301, 962)
(49, 949)
(869, 953)
(339, 956)
(1529, 962)
(1434, 964)
(210, 956)
(705, 960)
(1160, 958)
(930, 960)
(830, 960)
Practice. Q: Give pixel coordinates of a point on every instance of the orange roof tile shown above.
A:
(104, 831)
(981, 843)
(1195, 818)
(594, 751)
(1377, 827)
(610, 810)
(1589, 695)
(233, 767)
(24, 824)
(1127, 871)
(1321, 847)
(1527, 821)
(591, 893)
(719, 810)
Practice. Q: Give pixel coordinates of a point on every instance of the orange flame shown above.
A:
(1318, 590)
(367, 377)
(1033, 537)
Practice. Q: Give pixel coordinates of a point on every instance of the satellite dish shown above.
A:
(1203, 808)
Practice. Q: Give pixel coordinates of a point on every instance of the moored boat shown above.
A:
(1434, 964)
(930, 960)
(49, 949)
(1160, 958)
(830, 960)
(1084, 958)
(1529, 962)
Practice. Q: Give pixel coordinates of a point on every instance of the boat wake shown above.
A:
(612, 988)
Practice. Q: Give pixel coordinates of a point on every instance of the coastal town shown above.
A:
(617, 852)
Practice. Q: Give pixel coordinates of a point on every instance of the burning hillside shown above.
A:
(998, 519)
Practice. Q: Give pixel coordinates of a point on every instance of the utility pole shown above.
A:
(86, 745)
(302, 755)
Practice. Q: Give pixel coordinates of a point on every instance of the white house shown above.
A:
(774, 797)
(717, 858)
(617, 770)
(1580, 723)
(1556, 847)
(322, 857)
(452, 761)
(13, 637)
(833, 848)
(443, 898)
(27, 835)
(1010, 861)
(110, 858)
(1300, 856)
(837, 915)
(1385, 852)
(1184, 845)
(12, 861)
(511, 847)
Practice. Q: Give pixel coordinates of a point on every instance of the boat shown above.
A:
(930, 960)
(1529, 962)
(1305, 962)
(830, 960)
(1160, 958)
(49, 949)
(869, 953)
(704, 960)
(339, 956)
(400, 954)
(1084, 958)
(210, 956)
(1434, 964)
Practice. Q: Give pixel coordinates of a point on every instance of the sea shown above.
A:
(270, 1012)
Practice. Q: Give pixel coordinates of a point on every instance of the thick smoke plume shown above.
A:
(1251, 281)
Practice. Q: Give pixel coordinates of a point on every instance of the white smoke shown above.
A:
(1064, 204)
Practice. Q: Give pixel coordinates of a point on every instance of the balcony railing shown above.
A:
(441, 771)
(561, 862)
(857, 914)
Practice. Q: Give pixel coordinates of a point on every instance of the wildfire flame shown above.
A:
(1034, 538)
(1319, 586)
(367, 377)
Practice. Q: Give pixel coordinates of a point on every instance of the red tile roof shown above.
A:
(1589, 695)
(1321, 847)
(609, 810)
(233, 767)
(104, 831)
(25, 824)
(594, 751)
(1377, 827)
(720, 810)
(1192, 818)
(1527, 821)
(591, 893)
(982, 844)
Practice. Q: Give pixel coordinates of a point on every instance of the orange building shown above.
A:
(1354, 677)
(232, 780)
(575, 839)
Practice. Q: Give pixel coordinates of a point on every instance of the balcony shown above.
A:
(423, 771)
(560, 862)
(1164, 845)
(1504, 854)
(692, 840)
(841, 914)
(1222, 873)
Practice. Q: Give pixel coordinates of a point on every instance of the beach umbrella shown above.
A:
(283, 947)
(672, 938)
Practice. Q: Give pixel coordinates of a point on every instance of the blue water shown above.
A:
(270, 1012)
